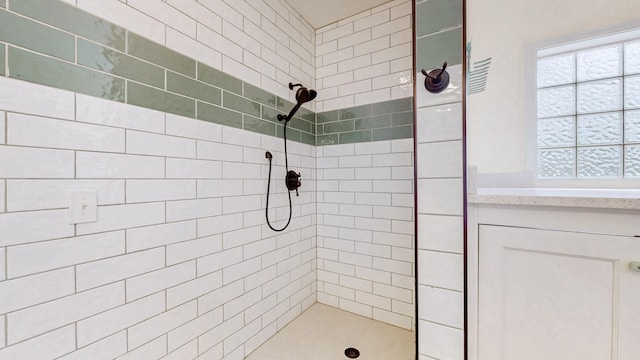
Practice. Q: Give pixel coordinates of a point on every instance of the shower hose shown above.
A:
(286, 162)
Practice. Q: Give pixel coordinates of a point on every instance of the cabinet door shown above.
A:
(556, 295)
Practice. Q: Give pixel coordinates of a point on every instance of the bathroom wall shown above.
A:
(365, 229)
(489, 111)
(439, 163)
(263, 42)
(365, 58)
(166, 114)
(365, 210)
(365, 164)
(180, 263)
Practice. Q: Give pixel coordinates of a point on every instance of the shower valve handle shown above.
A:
(292, 180)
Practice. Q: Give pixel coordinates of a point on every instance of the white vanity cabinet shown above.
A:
(554, 283)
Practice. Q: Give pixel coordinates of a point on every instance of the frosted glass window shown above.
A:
(600, 63)
(601, 161)
(558, 163)
(632, 161)
(600, 129)
(556, 101)
(632, 58)
(588, 108)
(557, 70)
(632, 127)
(632, 92)
(557, 132)
(599, 96)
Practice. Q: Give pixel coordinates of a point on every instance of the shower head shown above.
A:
(303, 94)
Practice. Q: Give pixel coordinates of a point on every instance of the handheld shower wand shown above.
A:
(292, 179)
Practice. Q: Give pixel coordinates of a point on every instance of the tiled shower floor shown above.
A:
(323, 333)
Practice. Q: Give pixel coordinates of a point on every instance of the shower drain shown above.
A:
(352, 353)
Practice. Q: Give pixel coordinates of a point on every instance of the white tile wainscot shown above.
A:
(365, 229)
(440, 221)
(180, 257)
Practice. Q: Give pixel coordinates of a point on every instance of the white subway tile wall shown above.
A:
(180, 264)
(176, 264)
(366, 229)
(440, 225)
(366, 58)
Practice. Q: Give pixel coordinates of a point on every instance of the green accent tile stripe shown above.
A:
(300, 124)
(270, 114)
(32, 67)
(218, 115)
(292, 134)
(160, 55)
(62, 46)
(2, 52)
(259, 95)
(306, 114)
(403, 118)
(449, 14)
(448, 45)
(218, 78)
(258, 125)
(152, 98)
(356, 112)
(284, 105)
(69, 18)
(355, 137)
(327, 116)
(29, 34)
(307, 138)
(386, 120)
(393, 133)
(338, 126)
(380, 121)
(114, 62)
(331, 139)
(240, 104)
(192, 88)
(393, 106)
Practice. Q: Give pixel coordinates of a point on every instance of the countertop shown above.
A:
(582, 198)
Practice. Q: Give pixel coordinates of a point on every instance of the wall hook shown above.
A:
(436, 80)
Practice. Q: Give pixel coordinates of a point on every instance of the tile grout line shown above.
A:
(6, 58)
(4, 181)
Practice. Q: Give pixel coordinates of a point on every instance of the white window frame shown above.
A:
(581, 40)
